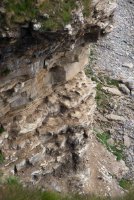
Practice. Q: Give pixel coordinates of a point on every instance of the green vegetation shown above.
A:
(12, 180)
(17, 192)
(111, 81)
(102, 98)
(1, 157)
(1, 129)
(86, 11)
(116, 149)
(125, 184)
(21, 10)
(59, 12)
(5, 72)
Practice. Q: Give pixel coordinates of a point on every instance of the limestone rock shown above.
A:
(47, 106)
(124, 89)
(127, 141)
(128, 65)
(130, 84)
(113, 91)
(21, 165)
(115, 117)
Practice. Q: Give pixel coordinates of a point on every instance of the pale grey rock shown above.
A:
(108, 29)
(56, 187)
(36, 158)
(132, 93)
(20, 101)
(124, 89)
(130, 84)
(113, 91)
(37, 26)
(36, 174)
(21, 165)
(115, 117)
(128, 65)
(69, 28)
(127, 141)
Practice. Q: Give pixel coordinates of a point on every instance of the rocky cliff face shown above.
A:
(47, 106)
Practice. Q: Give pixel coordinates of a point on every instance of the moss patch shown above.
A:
(116, 149)
(12, 180)
(125, 184)
(59, 12)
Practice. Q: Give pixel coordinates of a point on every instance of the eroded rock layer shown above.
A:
(47, 106)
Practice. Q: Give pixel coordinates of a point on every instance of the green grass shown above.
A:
(125, 184)
(1, 157)
(59, 12)
(21, 10)
(116, 149)
(102, 98)
(111, 82)
(86, 11)
(1, 129)
(12, 180)
(17, 192)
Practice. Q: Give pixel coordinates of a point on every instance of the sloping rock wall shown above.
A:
(47, 106)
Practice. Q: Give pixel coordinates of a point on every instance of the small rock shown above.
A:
(36, 174)
(115, 117)
(130, 84)
(37, 26)
(132, 93)
(110, 141)
(56, 187)
(45, 15)
(128, 65)
(2, 10)
(124, 89)
(36, 158)
(22, 144)
(113, 91)
(109, 29)
(21, 165)
(69, 28)
(127, 141)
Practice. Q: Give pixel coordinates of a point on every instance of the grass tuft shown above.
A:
(1, 157)
(116, 149)
(125, 184)
(59, 12)
(17, 192)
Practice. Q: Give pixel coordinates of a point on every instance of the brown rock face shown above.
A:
(46, 113)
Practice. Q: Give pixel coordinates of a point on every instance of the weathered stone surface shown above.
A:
(124, 89)
(47, 109)
(21, 165)
(128, 65)
(127, 141)
(115, 117)
(111, 90)
(103, 10)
